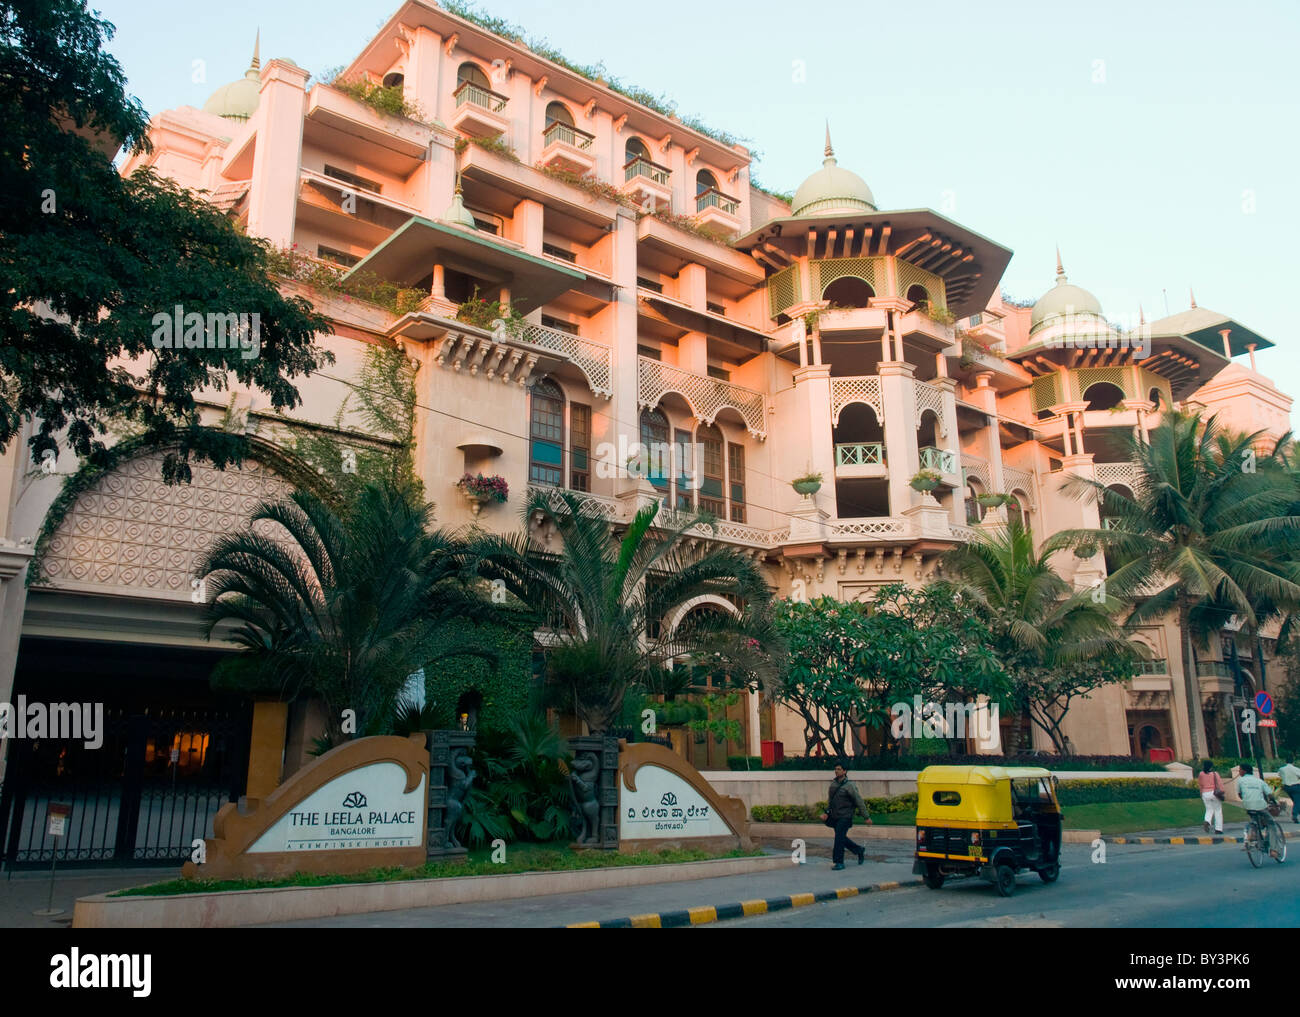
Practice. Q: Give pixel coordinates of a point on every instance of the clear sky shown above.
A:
(1156, 142)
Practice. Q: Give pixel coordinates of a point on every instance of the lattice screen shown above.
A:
(1046, 392)
(783, 290)
(865, 389)
(828, 270)
(909, 275)
(1120, 377)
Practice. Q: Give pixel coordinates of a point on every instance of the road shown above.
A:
(1156, 886)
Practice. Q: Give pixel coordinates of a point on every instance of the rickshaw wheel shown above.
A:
(933, 877)
(1050, 873)
(1006, 880)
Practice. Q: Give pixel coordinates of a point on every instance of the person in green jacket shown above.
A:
(843, 801)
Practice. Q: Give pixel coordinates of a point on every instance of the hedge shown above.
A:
(812, 813)
(913, 762)
(507, 689)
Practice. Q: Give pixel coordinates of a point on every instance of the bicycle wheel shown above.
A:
(1254, 846)
(1276, 842)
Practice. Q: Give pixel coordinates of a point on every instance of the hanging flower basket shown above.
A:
(807, 485)
(480, 490)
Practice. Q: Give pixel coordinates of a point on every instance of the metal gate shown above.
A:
(144, 797)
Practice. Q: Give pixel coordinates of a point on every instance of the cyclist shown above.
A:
(1255, 795)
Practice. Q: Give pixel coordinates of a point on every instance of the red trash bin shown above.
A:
(773, 752)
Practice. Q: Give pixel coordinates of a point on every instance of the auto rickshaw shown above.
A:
(988, 821)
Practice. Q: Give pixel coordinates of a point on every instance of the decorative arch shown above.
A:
(558, 113)
(1108, 395)
(711, 599)
(118, 527)
(474, 74)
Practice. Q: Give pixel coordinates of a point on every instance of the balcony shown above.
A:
(565, 147)
(1214, 676)
(706, 396)
(592, 359)
(860, 459)
(647, 183)
(943, 462)
(1157, 666)
(717, 212)
(479, 110)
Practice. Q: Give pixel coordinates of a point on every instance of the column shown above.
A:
(277, 159)
(899, 397)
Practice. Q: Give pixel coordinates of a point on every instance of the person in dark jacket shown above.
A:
(842, 802)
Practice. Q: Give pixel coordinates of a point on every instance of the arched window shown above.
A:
(1016, 510)
(635, 149)
(711, 496)
(1103, 396)
(546, 434)
(705, 181)
(394, 79)
(473, 73)
(656, 455)
(849, 291)
(918, 294)
(558, 113)
(974, 510)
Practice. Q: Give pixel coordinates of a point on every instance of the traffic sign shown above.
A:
(1264, 703)
(1268, 722)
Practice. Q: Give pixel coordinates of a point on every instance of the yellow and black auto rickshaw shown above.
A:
(990, 821)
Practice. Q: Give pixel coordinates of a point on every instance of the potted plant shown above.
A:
(1085, 550)
(994, 500)
(808, 484)
(479, 490)
(925, 481)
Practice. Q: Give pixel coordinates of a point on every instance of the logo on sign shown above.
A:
(668, 799)
(356, 800)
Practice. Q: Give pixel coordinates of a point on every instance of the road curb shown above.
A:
(1172, 840)
(707, 914)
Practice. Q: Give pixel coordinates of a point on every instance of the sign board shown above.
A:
(57, 813)
(664, 802)
(1268, 722)
(1264, 703)
(360, 806)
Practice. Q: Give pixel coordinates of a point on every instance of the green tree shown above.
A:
(89, 258)
(849, 663)
(1205, 526)
(608, 603)
(1056, 645)
(345, 606)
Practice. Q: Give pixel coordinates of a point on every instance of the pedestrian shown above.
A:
(843, 802)
(1290, 775)
(1212, 794)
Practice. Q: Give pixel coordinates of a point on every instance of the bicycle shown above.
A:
(1264, 835)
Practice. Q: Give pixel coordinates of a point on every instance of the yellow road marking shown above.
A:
(886, 886)
(585, 925)
(753, 907)
(703, 915)
(646, 922)
(801, 900)
(1175, 840)
(846, 891)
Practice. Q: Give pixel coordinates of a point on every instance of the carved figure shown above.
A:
(584, 778)
(461, 776)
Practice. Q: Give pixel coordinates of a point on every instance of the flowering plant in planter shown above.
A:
(925, 481)
(807, 484)
(483, 488)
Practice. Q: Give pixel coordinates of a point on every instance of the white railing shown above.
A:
(477, 95)
(652, 171)
(567, 134)
(721, 529)
(966, 533)
(592, 359)
(863, 389)
(706, 396)
(589, 504)
(879, 527)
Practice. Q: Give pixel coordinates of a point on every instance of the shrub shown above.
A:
(744, 762)
(1093, 792)
(917, 762)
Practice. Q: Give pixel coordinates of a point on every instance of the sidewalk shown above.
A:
(29, 890)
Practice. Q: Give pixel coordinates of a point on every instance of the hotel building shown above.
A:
(666, 299)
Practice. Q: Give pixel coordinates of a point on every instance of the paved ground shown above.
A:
(25, 891)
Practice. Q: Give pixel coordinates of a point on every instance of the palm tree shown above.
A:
(343, 606)
(608, 603)
(1207, 524)
(1057, 644)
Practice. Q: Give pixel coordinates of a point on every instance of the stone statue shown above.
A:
(584, 779)
(461, 776)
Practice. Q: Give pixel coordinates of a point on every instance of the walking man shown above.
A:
(843, 802)
(1290, 775)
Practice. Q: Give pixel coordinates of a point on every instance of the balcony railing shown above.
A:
(567, 134)
(939, 459)
(592, 359)
(1157, 666)
(1213, 669)
(713, 198)
(652, 171)
(870, 453)
(477, 95)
